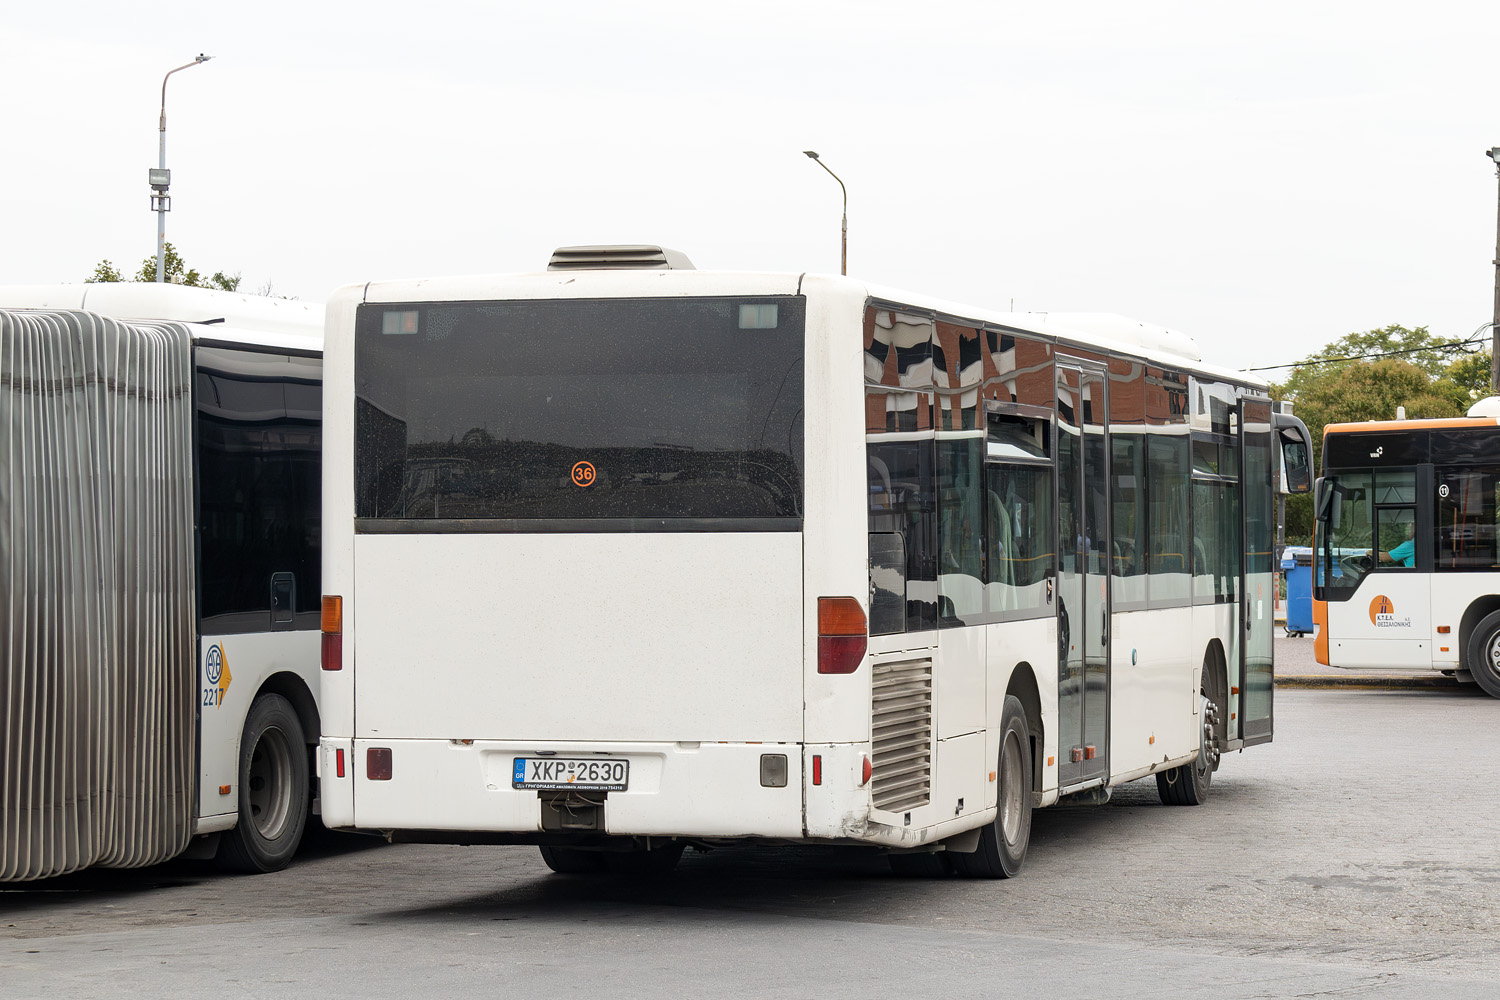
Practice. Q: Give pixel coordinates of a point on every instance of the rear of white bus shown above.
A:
(565, 559)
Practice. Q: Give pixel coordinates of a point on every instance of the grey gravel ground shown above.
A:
(1353, 856)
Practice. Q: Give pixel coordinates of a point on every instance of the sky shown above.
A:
(1266, 177)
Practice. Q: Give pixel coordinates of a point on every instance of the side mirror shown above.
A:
(1296, 453)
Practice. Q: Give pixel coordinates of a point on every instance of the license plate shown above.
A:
(559, 773)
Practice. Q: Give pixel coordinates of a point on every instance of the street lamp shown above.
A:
(1494, 154)
(844, 242)
(161, 178)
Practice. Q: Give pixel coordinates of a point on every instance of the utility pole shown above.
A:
(161, 177)
(1494, 154)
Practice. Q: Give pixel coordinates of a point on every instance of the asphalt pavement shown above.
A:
(1352, 856)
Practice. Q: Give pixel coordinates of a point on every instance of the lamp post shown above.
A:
(844, 242)
(161, 177)
(1494, 154)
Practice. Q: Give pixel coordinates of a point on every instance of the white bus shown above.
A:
(160, 480)
(1406, 571)
(623, 556)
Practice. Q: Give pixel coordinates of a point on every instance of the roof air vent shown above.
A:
(618, 258)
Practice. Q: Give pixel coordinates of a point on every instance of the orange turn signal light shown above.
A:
(1444, 629)
(840, 616)
(333, 614)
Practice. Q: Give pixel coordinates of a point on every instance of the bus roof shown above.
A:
(1397, 426)
(1099, 331)
(254, 320)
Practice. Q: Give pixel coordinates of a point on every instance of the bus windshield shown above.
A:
(635, 414)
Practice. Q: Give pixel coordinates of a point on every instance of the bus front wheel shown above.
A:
(1188, 785)
(1484, 654)
(273, 790)
(1003, 843)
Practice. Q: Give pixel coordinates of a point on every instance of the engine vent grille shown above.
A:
(901, 728)
(618, 258)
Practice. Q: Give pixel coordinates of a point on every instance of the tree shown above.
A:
(1337, 385)
(1416, 346)
(1471, 372)
(174, 270)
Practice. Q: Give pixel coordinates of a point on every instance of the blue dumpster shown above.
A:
(1296, 563)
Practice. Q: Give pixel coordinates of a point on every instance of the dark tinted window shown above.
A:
(1467, 513)
(903, 536)
(259, 489)
(1168, 500)
(627, 413)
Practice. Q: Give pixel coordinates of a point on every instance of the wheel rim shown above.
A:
(1011, 808)
(270, 786)
(1495, 653)
(1208, 744)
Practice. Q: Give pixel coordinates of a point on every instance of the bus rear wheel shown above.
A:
(1003, 843)
(1483, 654)
(1188, 784)
(273, 790)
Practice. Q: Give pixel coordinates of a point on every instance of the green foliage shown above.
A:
(1427, 380)
(174, 270)
(1471, 373)
(104, 271)
(1415, 346)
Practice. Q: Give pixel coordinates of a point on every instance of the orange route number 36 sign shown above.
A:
(584, 474)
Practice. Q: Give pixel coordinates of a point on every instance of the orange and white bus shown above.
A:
(1406, 567)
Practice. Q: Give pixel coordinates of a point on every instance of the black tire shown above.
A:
(656, 861)
(931, 865)
(572, 860)
(1003, 843)
(1188, 784)
(273, 790)
(1483, 654)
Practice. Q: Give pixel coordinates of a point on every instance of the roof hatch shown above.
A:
(619, 257)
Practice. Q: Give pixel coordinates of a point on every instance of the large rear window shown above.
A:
(592, 414)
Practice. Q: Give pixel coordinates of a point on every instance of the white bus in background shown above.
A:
(623, 556)
(160, 480)
(1406, 558)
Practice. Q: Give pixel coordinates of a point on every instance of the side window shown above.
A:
(1345, 537)
(259, 490)
(960, 490)
(1022, 557)
(1128, 475)
(1467, 513)
(902, 536)
(1395, 545)
(1168, 497)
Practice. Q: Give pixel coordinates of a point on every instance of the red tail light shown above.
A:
(338, 756)
(333, 632)
(817, 769)
(842, 635)
(378, 763)
(865, 770)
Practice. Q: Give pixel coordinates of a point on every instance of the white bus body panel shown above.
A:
(1153, 700)
(653, 636)
(227, 684)
(1452, 594)
(1362, 635)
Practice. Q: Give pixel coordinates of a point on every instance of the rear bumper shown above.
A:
(675, 789)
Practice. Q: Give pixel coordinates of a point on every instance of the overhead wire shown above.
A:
(1472, 344)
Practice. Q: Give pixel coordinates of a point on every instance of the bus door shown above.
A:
(1083, 573)
(1258, 580)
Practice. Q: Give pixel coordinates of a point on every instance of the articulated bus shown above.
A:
(1406, 569)
(621, 557)
(160, 480)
